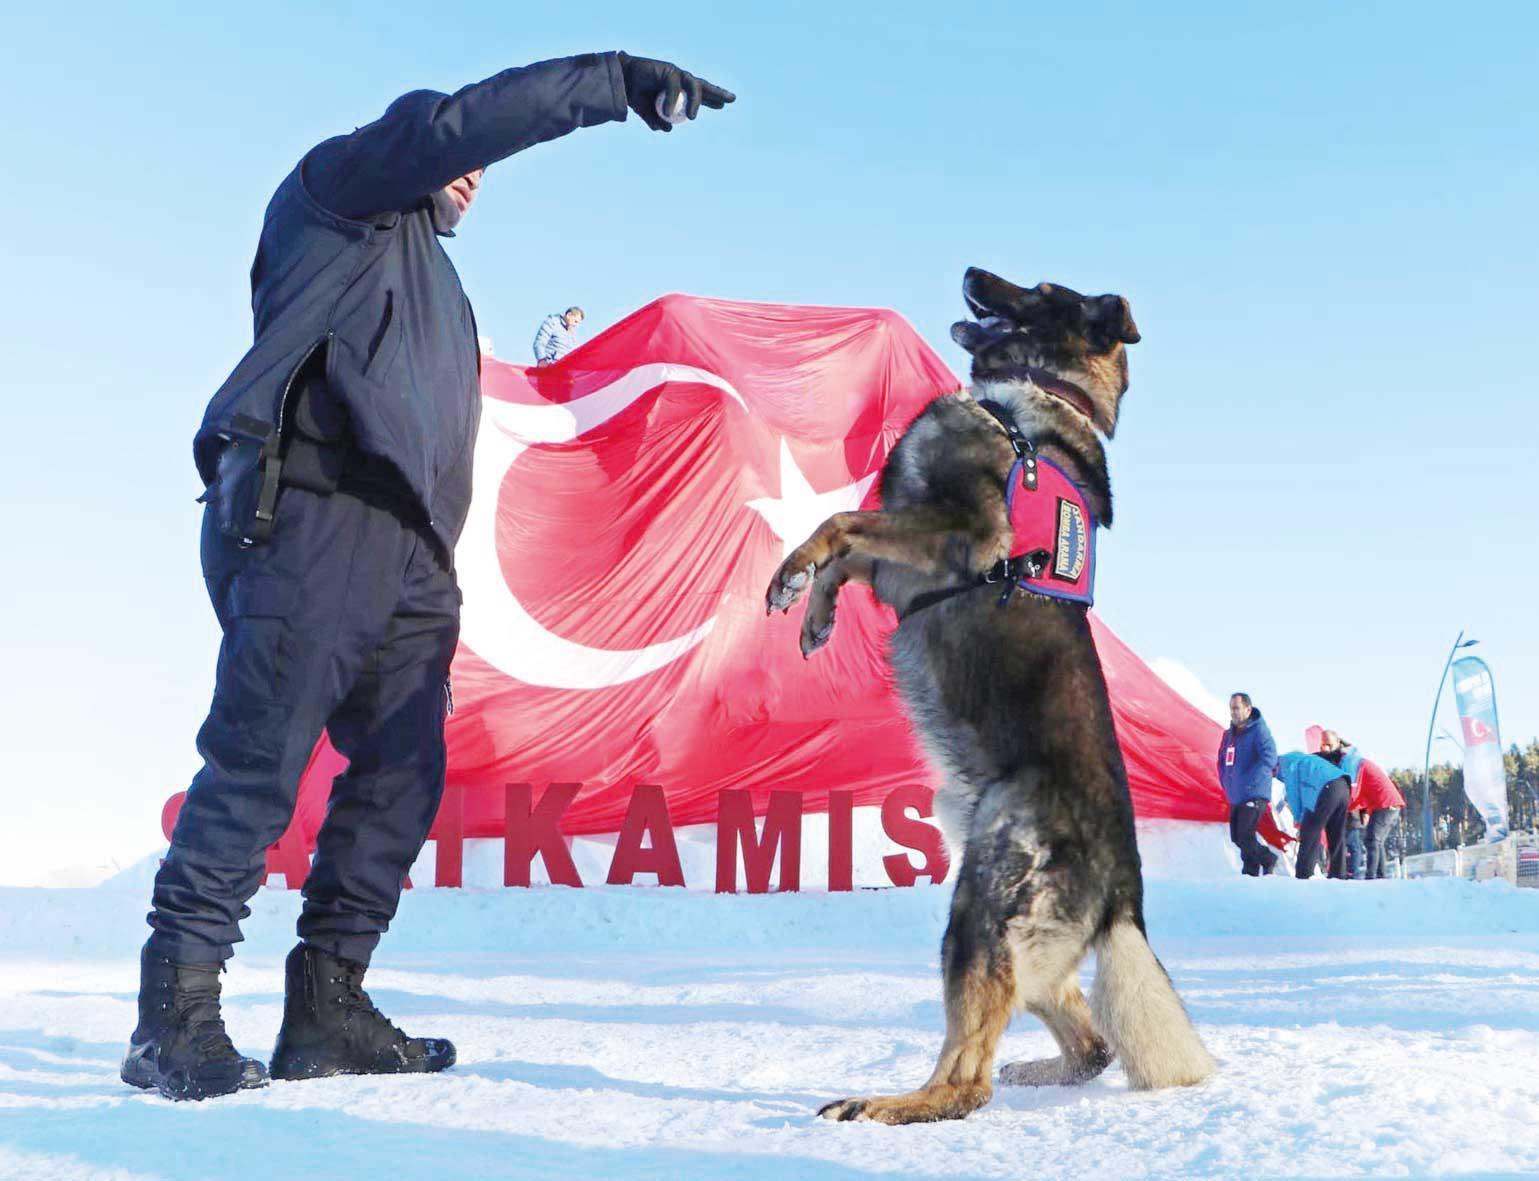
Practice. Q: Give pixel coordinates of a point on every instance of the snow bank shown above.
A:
(603, 918)
(1361, 1029)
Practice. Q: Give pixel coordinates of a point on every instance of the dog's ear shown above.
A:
(989, 295)
(1110, 320)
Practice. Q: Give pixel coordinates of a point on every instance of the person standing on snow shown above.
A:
(1381, 800)
(337, 463)
(1333, 749)
(1318, 794)
(557, 335)
(1374, 794)
(1246, 755)
(1357, 852)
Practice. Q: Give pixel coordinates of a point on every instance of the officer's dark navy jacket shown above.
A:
(349, 262)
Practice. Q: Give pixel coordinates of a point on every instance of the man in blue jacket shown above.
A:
(337, 463)
(556, 336)
(1246, 756)
(1318, 795)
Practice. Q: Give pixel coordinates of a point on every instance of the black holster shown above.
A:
(244, 494)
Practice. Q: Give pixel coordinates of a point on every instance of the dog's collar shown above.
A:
(1050, 383)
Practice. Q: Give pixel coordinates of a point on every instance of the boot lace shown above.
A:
(354, 999)
(197, 1010)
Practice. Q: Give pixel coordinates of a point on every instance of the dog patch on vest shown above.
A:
(1073, 547)
(1053, 516)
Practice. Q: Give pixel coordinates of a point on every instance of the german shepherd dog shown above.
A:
(1007, 696)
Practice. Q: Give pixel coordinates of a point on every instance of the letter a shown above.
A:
(647, 815)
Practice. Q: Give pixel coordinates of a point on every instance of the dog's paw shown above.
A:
(793, 578)
(924, 1106)
(817, 627)
(1058, 1072)
(1043, 1072)
(843, 1110)
(815, 638)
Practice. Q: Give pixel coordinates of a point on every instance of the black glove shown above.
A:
(646, 78)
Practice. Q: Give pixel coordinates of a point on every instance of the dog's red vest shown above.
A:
(1050, 513)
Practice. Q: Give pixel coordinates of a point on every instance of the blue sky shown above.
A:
(1323, 215)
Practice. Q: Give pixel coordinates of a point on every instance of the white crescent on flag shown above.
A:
(493, 623)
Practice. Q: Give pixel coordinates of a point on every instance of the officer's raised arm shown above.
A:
(426, 139)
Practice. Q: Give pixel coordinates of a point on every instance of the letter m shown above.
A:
(735, 830)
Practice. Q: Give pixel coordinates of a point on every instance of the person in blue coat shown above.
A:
(557, 335)
(1246, 756)
(1318, 794)
(336, 458)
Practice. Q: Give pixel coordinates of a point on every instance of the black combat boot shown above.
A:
(330, 1026)
(180, 1046)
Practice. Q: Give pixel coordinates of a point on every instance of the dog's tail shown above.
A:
(1137, 1010)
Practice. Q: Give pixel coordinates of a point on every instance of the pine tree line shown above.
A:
(1454, 821)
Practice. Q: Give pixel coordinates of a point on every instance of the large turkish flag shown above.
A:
(631, 502)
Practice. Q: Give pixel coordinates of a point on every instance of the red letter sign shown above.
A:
(841, 840)
(449, 840)
(529, 831)
(735, 829)
(912, 834)
(647, 814)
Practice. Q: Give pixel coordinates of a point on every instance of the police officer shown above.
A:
(337, 463)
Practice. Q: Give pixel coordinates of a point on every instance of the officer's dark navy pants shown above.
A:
(345, 619)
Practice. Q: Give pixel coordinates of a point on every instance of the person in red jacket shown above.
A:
(1381, 800)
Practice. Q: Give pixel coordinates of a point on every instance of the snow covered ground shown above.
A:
(1363, 1029)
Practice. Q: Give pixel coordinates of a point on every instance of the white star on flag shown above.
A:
(798, 511)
